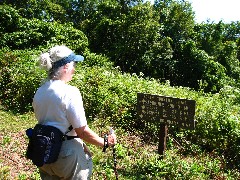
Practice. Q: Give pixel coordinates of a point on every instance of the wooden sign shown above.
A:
(166, 111)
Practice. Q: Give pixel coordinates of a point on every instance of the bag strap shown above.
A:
(69, 129)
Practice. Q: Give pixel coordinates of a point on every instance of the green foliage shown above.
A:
(220, 41)
(172, 11)
(136, 36)
(177, 167)
(8, 19)
(200, 66)
(218, 124)
(161, 42)
(34, 33)
(210, 37)
(19, 79)
(93, 59)
(41, 9)
(124, 33)
(228, 58)
(160, 63)
(110, 96)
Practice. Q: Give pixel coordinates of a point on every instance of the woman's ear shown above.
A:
(66, 67)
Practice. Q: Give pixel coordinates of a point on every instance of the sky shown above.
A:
(215, 10)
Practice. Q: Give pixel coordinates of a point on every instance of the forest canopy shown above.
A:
(161, 41)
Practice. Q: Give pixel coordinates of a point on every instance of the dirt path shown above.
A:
(12, 156)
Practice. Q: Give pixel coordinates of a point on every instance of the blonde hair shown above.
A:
(55, 54)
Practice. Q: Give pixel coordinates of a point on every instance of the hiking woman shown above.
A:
(59, 104)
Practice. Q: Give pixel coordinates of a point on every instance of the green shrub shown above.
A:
(112, 95)
(218, 124)
(175, 166)
(19, 79)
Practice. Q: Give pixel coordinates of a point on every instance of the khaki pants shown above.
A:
(72, 164)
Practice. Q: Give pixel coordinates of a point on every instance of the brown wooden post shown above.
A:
(162, 139)
(166, 111)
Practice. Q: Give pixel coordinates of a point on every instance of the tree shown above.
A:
(161, 64)
(46, 10)
(21, 33)
(228, 58)
(220, 41)
(176, 18)
(196, 65)
(123, 34)
(210, 37)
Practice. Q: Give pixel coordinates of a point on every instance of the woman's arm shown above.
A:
(86, 134)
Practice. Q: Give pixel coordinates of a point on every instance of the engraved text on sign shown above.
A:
(166, 110)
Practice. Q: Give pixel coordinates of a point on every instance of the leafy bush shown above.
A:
(111, 95)
(19, 79)
(218, 124)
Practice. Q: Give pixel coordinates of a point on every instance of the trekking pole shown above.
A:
(114, 157)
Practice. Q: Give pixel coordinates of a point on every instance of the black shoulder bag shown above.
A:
(44, 144)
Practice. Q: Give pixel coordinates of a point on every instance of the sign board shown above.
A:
(166, 110)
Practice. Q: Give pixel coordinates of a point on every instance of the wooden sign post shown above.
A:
(166, 111)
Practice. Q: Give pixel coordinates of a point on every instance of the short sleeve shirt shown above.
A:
(60, 105)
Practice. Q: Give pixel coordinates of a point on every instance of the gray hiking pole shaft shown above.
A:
(114, 157)
(115, 162)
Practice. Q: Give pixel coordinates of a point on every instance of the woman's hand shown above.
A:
(91, 137)
(112, 139)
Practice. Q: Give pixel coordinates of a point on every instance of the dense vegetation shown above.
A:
(129, 47)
